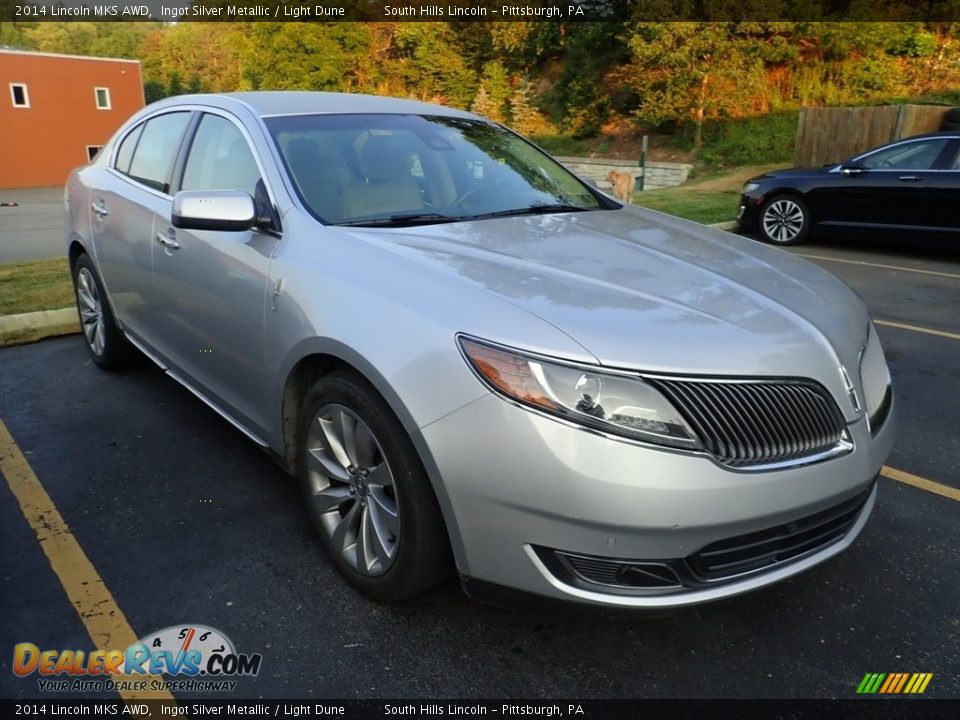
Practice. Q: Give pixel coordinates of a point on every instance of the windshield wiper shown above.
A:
(533, 210)
(402, 219)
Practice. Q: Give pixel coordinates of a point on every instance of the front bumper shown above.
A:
(518, 483)
(748, 211)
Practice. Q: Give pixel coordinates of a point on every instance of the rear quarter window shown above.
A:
(156, 150)
(125, 151)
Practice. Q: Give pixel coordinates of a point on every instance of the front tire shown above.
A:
(784, 220)
(367, 494)
(105, 341)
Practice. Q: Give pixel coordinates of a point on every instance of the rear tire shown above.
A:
(784, 220)
(105, 341)
(366, 492)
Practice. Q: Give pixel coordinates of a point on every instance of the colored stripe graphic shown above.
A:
(894, 683)
(891, 681)
(862, 687)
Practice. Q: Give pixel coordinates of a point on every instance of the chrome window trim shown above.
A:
(905, 141)
(111, 163)
(191, 108)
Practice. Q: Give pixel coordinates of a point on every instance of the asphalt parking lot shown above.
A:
(186, 521)
(31, 220)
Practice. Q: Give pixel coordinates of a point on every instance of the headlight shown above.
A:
(618, 404)
(875, 378)
(750, 187)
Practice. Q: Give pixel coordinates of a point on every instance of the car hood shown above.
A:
(639, 289)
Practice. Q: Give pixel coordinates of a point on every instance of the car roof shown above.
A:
(287, 102)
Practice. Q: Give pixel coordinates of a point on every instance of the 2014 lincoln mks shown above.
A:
(474, 360)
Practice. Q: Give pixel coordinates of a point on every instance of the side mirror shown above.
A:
(852, 170)
(589, 181)
(231, 210)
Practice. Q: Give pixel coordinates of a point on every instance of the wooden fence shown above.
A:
(828, 135)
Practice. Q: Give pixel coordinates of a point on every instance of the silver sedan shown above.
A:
(473, 360)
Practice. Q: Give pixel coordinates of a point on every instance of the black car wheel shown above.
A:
(105, 341)
(784, 220)
(367, 494)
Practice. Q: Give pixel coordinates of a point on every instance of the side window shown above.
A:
(102, 96)
(920, 155)
(19, 95)
(155, 153)
(125, 152)
(220, 159)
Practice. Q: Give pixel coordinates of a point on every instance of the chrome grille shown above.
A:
(778, 545)
(757, 422)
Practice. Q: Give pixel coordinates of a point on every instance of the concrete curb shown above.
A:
(728, 226)
(33, 326)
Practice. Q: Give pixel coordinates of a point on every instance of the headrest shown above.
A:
(384, 159)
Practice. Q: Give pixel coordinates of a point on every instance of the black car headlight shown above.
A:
(750, 187)
(617, 403)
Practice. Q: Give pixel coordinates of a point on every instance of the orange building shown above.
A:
(57, 111)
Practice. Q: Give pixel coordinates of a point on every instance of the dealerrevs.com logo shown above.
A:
(200, 657)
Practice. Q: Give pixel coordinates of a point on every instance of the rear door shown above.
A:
(906, 177)
(942, 196)
(212, 286)
(134, 191)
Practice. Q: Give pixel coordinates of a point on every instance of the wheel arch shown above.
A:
(321, 356)
(75, 249)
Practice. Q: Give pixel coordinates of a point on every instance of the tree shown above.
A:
(425, 58)
(102, 39)
(497, 84)
(303, 56)
(692, 71)
(524, 117)
(206, 51)
(482, 104)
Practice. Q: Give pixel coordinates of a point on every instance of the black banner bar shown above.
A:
(900, 709)
(477, 10)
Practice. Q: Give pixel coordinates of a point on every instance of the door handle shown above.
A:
(909, 178)
(100, 209)
(167, 241)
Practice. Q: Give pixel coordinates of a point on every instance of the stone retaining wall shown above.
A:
(658, 174)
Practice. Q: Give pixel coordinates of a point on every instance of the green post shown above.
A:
(643, 164)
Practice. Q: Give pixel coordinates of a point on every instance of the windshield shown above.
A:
(413, 169)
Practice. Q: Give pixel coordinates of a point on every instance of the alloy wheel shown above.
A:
(783, 220)
(91, 311)
(352, 489)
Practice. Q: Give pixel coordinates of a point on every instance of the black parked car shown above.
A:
(911, 185)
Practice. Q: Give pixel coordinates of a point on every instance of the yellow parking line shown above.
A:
(922, 483)
(101, 616)
(915, 328)
(879, 265)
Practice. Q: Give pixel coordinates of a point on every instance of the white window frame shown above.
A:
(26, 95)
(96, 98)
